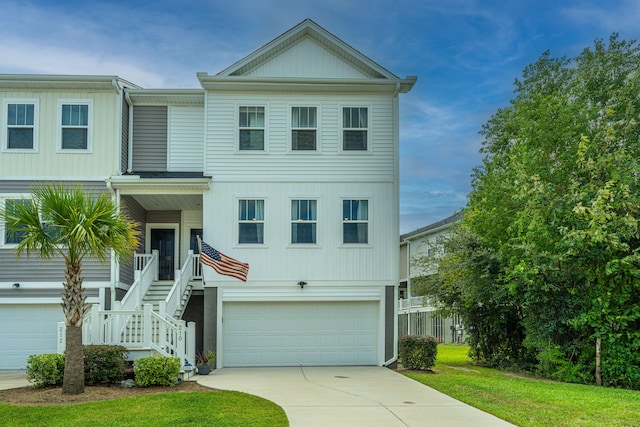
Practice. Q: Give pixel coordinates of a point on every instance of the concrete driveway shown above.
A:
(350, 396)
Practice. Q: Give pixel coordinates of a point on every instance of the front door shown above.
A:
(163, 240)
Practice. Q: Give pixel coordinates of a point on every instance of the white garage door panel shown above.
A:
(300, 333)
(26, 330)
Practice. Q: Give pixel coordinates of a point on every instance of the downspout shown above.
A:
(129, 134)
(115, 267)
(396, 178)
(118, 136)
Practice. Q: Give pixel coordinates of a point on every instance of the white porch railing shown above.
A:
(137, 330)
(143, 278)
(412, 302)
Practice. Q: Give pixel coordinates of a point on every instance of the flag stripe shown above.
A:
(223, 264)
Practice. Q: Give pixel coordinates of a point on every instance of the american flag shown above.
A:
(223, 264)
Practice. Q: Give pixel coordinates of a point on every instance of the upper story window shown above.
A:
(20, 127)
(303, 128)
(251, 124)
(74, 125)
(355, 221)
(304, 218)
(355, 126)
(251, 221)
(10, 206)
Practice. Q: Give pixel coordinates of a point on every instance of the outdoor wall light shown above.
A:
(302, 283)
(15, 285)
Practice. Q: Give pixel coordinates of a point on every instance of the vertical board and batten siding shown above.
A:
(190, 220)
(186, 138)
(124, 142)
(150, 138)
(329, 260)
(33, 268)
(47, 161)
(306, 59)
(225, 163)
(137, 213)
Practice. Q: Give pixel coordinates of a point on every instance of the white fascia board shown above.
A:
(42, 81)
(288, 84)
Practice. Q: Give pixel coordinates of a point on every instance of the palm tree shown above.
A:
(73, 224)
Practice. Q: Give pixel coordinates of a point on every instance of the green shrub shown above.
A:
(104, 364)
(417, 352)
(45, 369)
(156, 370)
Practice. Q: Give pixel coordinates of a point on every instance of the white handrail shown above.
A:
(183, 277)
(143, 280)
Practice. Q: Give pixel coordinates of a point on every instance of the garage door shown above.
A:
(300, 333)
(27, 329)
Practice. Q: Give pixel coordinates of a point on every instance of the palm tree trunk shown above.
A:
(73, 305)
(73, 381)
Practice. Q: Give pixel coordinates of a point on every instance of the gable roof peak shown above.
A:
(307, 29)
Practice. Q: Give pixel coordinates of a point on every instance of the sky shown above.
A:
(466, 54)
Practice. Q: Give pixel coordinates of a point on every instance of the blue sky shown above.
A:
(466, 54)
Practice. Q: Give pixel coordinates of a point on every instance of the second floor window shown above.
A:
(10, 206)
(75, 132)
(303, 128)
(251, 221)
(355, 221)
(20, 126)
(304, 218)
(355, 128)
(251, 124)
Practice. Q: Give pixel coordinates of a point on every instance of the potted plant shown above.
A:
(204, 360)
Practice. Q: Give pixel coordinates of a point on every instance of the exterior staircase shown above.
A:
(158, 292)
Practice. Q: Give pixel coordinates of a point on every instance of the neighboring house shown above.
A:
(416, 314)
(286, 160)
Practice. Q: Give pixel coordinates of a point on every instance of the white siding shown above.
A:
(186, 138)
(329, 260)
(307, 59)
(225, 163)
(47, 162)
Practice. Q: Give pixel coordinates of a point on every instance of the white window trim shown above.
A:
(369, 222)
(5, 124)
(83, 101)
(3, 199)
(236, 142)
(317, 129)
(342, 128)
(237, 221)
(315, 245)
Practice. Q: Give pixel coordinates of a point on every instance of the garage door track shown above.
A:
(350, 396)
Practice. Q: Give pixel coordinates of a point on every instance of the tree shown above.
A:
(556, 203)
(72, 224)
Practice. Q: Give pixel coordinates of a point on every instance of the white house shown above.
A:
(287, 160)
(417, 315)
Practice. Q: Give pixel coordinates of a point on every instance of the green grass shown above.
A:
(223, 409)
(526, 401)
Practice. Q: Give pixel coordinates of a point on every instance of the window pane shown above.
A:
(304, 210)
(251, 232)
(251, 139)
(303, 140)
(251, 210)
(354, 117)
(303, 117)
(74, 139)
(354, 140)
(193, 239)
(251, 117)
(20, 114)
(355, 232)
(304, 232)
(20, 138)
(75, 115)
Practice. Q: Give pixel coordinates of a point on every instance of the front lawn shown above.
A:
(220, 409)
(527, 401)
